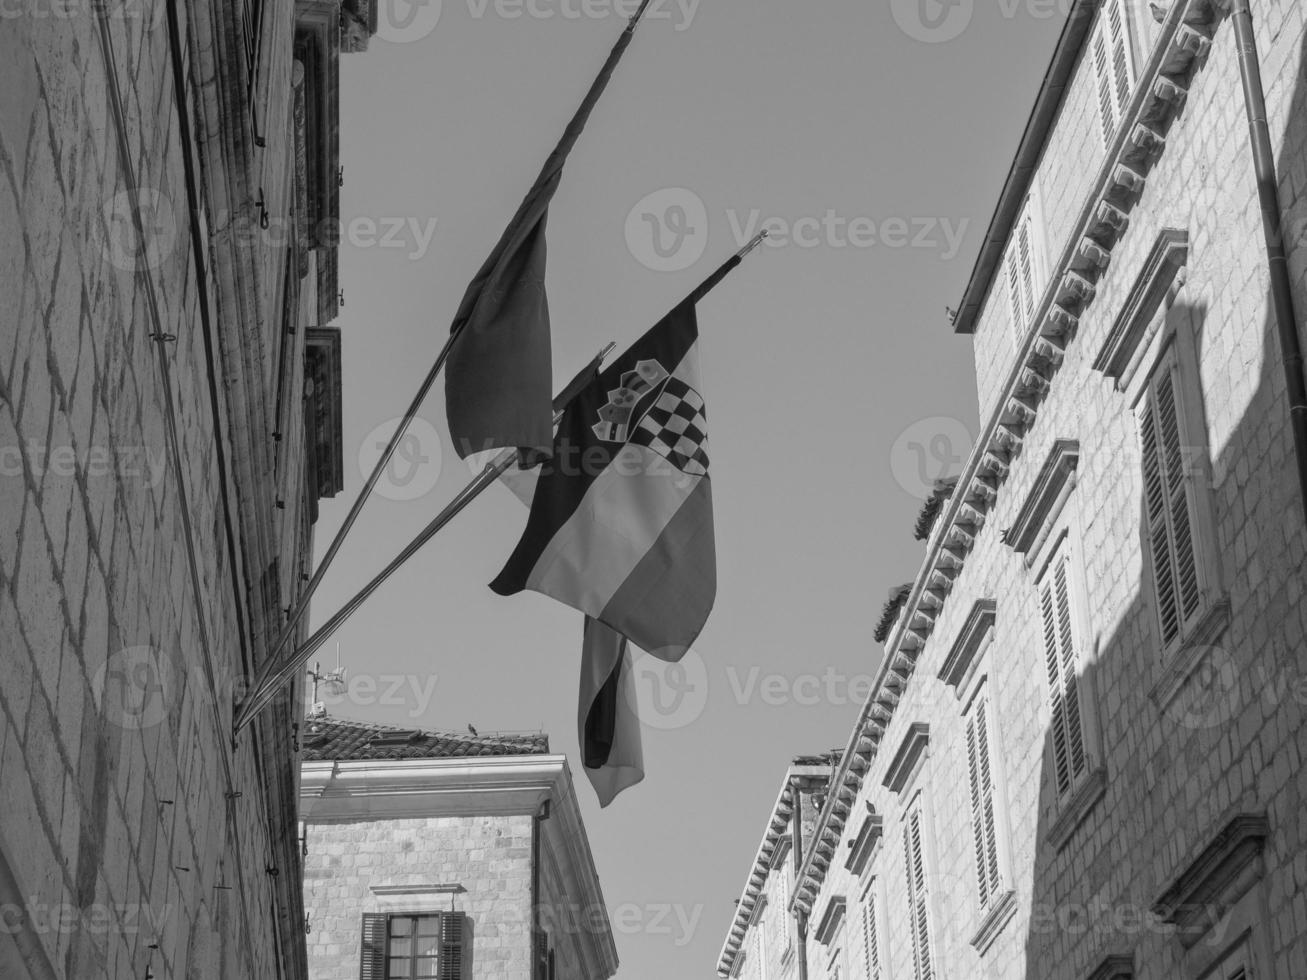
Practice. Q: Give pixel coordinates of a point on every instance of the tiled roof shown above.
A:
(338, 739)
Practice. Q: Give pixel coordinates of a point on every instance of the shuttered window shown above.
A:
(984, 807)
(1066, 726)
(1023, 270)
(1170, 505)
(1113, 66)
(914, 849)
(870, 939)
(412, 946)
(1237, 965)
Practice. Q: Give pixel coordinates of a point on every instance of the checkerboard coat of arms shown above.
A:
(661, 412)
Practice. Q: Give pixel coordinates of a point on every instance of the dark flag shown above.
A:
(621, 523)
(612, 753)
(497, 382)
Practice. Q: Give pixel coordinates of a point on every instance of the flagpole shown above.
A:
(273, 674)
(265, 692)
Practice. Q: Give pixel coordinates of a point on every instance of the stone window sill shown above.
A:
(1076, 807)
(1001, 911)
(1192, 653)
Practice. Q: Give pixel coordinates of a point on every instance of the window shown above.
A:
(984, 805)
(1113, 69)
(1170, 505)
(760, 944)
(1023, 269)
(914, 848)
(870, 938)
(1066, 724)
(1237, 965)
(412, 946)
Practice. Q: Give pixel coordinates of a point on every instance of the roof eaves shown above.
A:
(1038, 127)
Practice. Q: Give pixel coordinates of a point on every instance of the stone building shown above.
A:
(169, 417)
(461, 857)
(1082, 756)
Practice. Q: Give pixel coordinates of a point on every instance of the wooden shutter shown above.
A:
(870, 940)
(983, 816)
(1169, 507)
(1065, 727)
(372, 960)
(918, 896)
(451, 945)
(1113, 68)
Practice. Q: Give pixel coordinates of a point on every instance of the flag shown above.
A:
(608, 728)
(497, 381)
(621, 523)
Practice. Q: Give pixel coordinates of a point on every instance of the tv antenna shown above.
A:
(333, 682)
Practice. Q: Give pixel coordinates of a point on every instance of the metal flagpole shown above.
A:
(302, 605)
(273, 675)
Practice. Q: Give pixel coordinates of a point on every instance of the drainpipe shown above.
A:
(796, 856)
(537, 819)
(1268, 190)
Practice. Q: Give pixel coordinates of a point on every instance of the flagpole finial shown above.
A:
(630, 27)
(603, 354)
(757, 240)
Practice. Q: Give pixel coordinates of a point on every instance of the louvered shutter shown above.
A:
(989, 815)
(977, 812)
(918, 898)
(870, 940)
(1065, 726)
(1026, 261)
(451, 945)
(1015, 303)
(1169, 507)
(372, 960)
(1113, 67)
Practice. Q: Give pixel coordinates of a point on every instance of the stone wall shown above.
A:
(489, 858)
(126, 820)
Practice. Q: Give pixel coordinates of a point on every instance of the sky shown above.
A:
(872, 139)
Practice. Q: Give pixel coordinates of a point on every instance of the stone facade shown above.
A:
(1083, 753)
(483, 828)
(159, 273)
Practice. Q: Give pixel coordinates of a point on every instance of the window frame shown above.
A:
(1024, 285)
(1174, 350)
(372, 959)
(925, 902)
(1112, 36)
(870, 909)
(979, 699)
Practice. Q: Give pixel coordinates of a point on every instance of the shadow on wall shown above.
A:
(1166, 797)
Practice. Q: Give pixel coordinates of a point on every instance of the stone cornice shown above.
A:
(864, 844)
(1217, 878)
(1181, 44)
(1118, 966)
(908, 757)
(970, 638)
(1046, 497)
(773, 839)
(1156, 279)
(831, 920)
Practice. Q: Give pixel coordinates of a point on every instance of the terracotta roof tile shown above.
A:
(338, 739)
